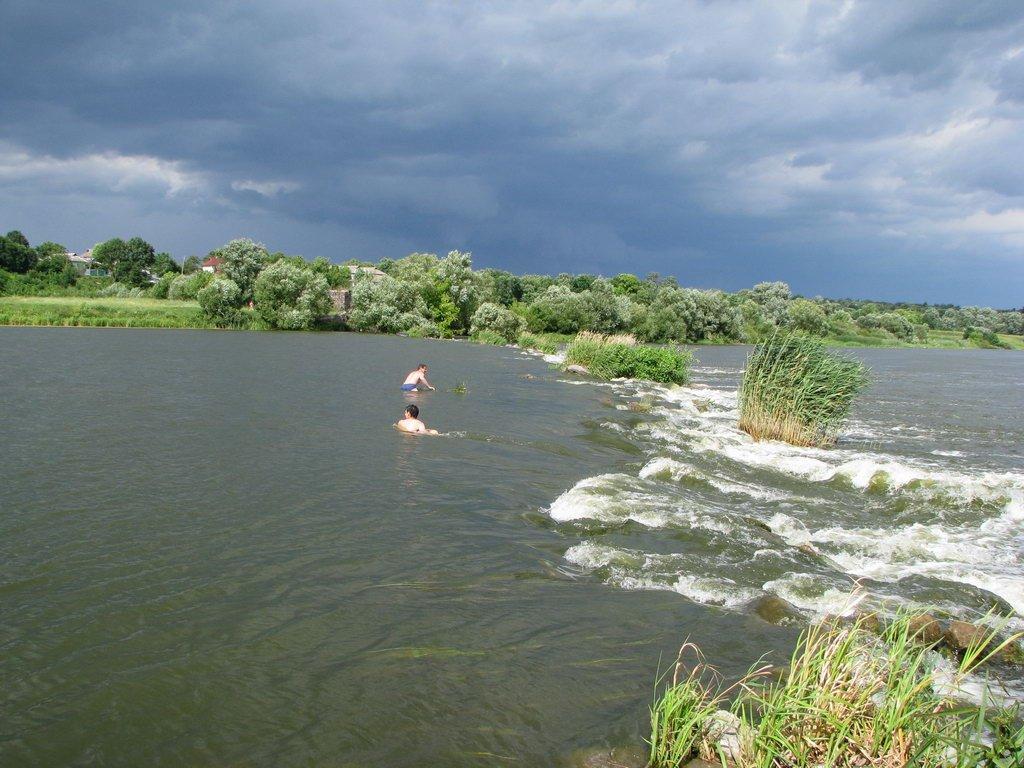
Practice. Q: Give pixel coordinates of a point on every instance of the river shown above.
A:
(215, 550)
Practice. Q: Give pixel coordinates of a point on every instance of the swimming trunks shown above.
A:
(408, 387)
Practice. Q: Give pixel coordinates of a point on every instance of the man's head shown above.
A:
(412, 411)
(422, 367)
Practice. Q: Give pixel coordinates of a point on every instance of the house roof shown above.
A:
(213, 261)
(81, 258)
(371, 271)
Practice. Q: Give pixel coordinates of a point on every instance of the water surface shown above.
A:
(215, 550)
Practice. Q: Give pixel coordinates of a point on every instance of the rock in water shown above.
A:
(577, 369)
(961, 635)
(603, 757)
(775, 610)
(925, 628)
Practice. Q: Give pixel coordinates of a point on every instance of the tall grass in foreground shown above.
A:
(611, 357)
(795, 390)
(850, 699)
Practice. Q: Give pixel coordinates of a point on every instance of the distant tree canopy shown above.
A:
(163, 263)
(423, 294)
(243, 259)
(15, 253)
(129, 262)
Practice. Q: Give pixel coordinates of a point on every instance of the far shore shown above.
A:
(112, 312)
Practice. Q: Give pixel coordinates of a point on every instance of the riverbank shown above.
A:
(68, 311)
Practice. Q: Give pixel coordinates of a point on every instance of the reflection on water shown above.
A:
(215, 549)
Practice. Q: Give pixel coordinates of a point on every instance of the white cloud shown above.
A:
(265, 188)
(108, 170)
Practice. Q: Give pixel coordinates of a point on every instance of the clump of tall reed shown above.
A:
(620, 356)
(850, 698)
(795, 390)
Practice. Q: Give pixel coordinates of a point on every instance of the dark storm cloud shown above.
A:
(849, 147)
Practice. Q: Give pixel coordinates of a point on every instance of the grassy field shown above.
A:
(102, 312)
(936, 340)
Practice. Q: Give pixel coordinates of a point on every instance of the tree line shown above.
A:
(423, 294)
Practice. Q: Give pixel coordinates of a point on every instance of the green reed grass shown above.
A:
(795, 390)
(850, 699)
(620, 356)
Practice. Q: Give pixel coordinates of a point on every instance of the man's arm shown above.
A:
(424, 380)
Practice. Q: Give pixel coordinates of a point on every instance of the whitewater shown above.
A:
(920, 504)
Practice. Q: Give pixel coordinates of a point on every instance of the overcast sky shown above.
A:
(866, 149)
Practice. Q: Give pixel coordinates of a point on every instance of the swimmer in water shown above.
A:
(417, 379)
(411, 422)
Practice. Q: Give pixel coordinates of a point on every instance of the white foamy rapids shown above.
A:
(862, 470)
(618, 498)
(632, 570)
(664, 467)
(811, 594)
(957, 525)
(987, 556)
(947, 681)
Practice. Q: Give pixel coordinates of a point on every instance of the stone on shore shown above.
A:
(925, 628)
(728, 733)
(577, 369)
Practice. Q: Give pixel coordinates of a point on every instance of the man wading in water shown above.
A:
(417, 378)
(411, 422)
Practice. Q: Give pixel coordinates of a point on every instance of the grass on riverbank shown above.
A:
(101, 312)
(794, 390)
(849, 698)
(611, 357)
(936, 339)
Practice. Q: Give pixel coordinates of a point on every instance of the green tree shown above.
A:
(498, 287)
(387, 305)
(163, 263)
(291, 298)
(335, 274)
(559, 310)
(496, 319)
(192, 264)
(50, 249)
(15, 255)
(243, 260)
(16, 237)
(805, 315)
(455, 273)
(53, 266)
(580, 283)
(186, 287)
(129, 262)
(626, 284)
(773, 298)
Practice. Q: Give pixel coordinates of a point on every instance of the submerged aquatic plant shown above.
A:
(611, 357)
(849, 698)
(795, 390)
(460, 388)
